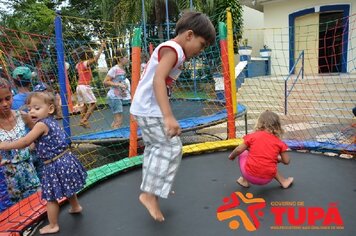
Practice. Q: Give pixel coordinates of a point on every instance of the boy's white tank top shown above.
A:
(144, 102)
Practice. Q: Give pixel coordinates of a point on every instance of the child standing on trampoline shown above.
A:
(62, 173)
(261, 151)
(152, 111)
(119, 92)
(84, 91)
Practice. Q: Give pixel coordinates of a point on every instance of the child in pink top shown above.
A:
(119, 91)
(261, 151)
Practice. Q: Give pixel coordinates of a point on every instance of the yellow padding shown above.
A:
(211, 146)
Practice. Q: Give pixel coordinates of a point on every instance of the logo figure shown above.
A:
(254, 209)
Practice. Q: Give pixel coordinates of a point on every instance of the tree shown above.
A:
(30, 16)
(216, 10)
(130, 12)
(27, 25)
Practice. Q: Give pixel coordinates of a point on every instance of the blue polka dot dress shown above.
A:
(65, 176)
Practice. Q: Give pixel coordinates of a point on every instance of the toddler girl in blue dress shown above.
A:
(62, 174)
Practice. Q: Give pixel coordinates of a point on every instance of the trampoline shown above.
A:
(112, 208)
(192, 114)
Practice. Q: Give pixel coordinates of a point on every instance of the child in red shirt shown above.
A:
(85, 94)
(261, 151)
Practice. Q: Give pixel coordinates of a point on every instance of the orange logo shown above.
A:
(249, 219)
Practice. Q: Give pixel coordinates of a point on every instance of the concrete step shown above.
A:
(327, 104)
(327, 108)
(323, 97)
(304, 97)
(317, 98)
(327, 112)
(299, 86)
(329, 119)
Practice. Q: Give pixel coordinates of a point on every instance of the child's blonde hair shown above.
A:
(270, 122)
(47, 97)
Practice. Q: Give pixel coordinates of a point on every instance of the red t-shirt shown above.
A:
(84, 73)
(264, 149)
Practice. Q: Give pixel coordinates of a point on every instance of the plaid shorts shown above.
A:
(161, 158)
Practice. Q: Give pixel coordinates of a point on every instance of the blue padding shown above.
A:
(320, 146)
(188, 123)
(123, 133)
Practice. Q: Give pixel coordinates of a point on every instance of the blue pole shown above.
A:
(191, 4)
(167, 19)
(62, 76)
(144, 27)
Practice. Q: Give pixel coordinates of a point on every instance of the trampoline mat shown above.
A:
(112, 208)
(101, 119)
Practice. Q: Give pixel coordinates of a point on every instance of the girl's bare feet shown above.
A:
(49, 229)
(243, 182)
(150, 201)
(75, 210)
(286, 183)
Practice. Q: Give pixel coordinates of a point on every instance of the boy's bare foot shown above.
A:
(287, 182)
(48, 229)
(151, 203)
(75, 210)
(243, 182)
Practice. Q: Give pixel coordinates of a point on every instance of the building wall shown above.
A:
(276, 22)
(253, 29)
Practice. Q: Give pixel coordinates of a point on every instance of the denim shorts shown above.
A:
(115, 105)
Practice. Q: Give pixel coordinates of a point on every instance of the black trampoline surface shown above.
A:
(111, 208)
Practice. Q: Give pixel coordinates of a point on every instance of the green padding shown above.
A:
(102, 172)
(222, 31)
(136, 40)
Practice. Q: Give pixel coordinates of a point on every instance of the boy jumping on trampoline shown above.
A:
(62, 173)
(152, 111)
(261, 151)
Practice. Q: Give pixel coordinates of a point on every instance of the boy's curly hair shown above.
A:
(199, 23)
(269, 121)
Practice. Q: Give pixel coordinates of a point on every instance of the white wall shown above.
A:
(253, 29)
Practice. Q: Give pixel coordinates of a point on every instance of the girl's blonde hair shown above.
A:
(47, 98)
(270, 122)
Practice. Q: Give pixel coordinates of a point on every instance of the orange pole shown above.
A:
(227, 82)
(136, 71)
